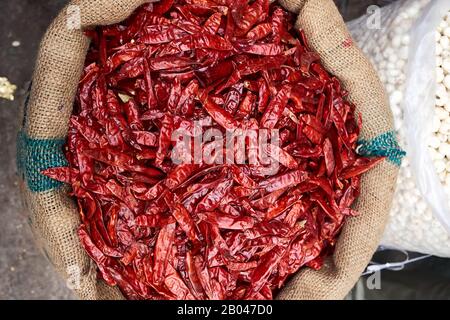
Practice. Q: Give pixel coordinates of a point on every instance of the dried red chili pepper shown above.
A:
(164, 230)
(275, 108)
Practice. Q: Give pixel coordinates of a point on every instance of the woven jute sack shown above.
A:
(53, 214)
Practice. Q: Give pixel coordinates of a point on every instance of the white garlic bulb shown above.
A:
(439, 143)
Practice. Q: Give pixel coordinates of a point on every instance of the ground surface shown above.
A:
(24, 272)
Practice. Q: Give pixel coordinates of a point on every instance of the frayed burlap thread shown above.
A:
(54, 216)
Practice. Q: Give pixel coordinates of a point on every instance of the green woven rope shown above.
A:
(384, 145)
(35, 155)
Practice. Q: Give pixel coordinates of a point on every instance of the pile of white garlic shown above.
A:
(412, 225)
(7, 89)
(439, 143)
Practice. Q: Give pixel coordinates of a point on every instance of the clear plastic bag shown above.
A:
(419, 106)
(388, 37)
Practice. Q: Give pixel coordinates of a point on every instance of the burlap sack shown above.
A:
(54, 217)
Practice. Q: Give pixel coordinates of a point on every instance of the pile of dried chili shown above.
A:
(162, 230)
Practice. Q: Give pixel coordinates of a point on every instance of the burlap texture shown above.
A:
(54, 215)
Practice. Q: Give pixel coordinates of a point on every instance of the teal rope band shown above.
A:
(35, 155)
(384, 145)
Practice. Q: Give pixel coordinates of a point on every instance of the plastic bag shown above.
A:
(419, 104)
(384, 34)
